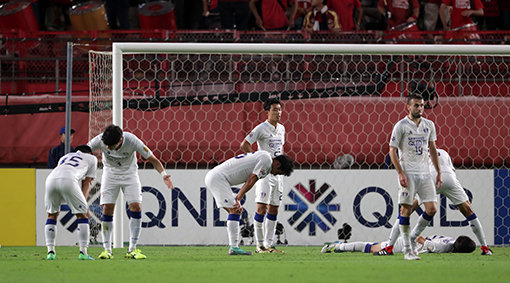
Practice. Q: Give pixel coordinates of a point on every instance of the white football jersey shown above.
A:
(75, 165)
(239, 168)
(436, 244)
(413, 144)
(445, 162)
(268, 138)
(122, 161)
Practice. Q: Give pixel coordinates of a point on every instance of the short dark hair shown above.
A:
(286, 164)
(111, 135)
(464, 244)
(83, 148)
(269, 102)
(413, 96)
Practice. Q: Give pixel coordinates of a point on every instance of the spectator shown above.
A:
(209, 10)
(304, 6)
(399, 11)
(59, 150)
(276, 14)
(372, 19)
(504, 11)
(234, 14)
(460, 12)
(188, 13)
(117, 12)
(321, 18)
(490, 19)
(431, 14)
(346, 11)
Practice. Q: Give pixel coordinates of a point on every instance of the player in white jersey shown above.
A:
(454, 191)
(70, 183)
(414, 137)
(433, 244)
(246, 168)
(120, 172)
(270, 137)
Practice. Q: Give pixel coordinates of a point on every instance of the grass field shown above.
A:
(212, 264)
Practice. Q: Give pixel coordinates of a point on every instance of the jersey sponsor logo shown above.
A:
(307, 208)
(146, 149)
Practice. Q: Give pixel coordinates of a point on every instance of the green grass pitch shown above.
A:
(212, 264)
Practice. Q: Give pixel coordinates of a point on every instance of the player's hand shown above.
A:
(237, 208)
(420, 240)
(439, 181)
(168, 182)
(403, 180)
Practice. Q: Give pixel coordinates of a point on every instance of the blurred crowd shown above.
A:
(307, 15)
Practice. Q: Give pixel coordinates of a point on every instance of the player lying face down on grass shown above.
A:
(245, 168)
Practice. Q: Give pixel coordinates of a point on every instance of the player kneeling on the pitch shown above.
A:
(70, 183)
(434, 244)
(245, 168)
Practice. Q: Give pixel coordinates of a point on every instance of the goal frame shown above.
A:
(119, 49)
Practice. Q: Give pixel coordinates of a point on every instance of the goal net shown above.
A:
(193, 104)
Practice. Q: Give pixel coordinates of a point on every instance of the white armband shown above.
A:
(164, 173)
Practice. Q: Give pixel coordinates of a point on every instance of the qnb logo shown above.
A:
(310, 213)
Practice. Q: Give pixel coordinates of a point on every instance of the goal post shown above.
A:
(193, 103)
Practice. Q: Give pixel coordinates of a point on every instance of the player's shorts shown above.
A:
(269, 190)
(112, 184)
(64, 190)
(452, 189)
(220, 189)
(418, 184)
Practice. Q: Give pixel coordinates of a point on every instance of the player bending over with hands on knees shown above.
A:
(121, 173)
(245, 168)
(434, 244)
(70, 183)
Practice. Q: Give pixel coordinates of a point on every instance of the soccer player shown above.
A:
(70, 183)
(434, 244)
(453, 190)
(246, 168)
(270, 137)
(121, 173)
(413, 137)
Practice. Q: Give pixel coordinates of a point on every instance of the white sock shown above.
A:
(423, 222)
(404, 232)
(83, 236)
(106, 231)
(135, 228)
(50, 231)
(352, 247)
(258, 229)
(476, 226)
(270, 230)
(395, 233)
(233, 230)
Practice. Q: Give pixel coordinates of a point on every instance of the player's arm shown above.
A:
(161, 170)
(247, 186)
(435, 161)
(396, 163)
(246, 146)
